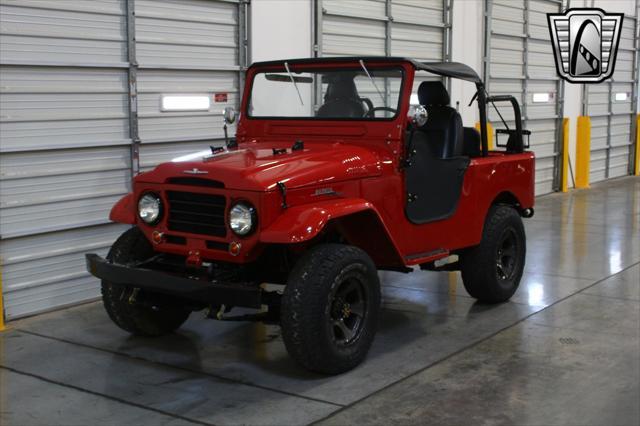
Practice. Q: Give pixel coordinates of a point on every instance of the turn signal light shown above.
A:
(157, 237)
(234, 248)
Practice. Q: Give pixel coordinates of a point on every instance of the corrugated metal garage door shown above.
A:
(186, 46)
(519, 61)
(611, 107)
(69, 123)
(418, 29)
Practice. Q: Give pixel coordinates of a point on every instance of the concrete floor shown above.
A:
(565, 350)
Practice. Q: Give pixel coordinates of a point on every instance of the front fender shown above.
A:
(124, 210)
(302, 223)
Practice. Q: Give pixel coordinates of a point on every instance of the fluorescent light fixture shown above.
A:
(621, 96)
(413, 100)
(186, 102)
(541, 97)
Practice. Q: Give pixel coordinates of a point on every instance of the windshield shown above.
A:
(360, 93)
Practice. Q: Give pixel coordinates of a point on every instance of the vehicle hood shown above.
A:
(255, 166)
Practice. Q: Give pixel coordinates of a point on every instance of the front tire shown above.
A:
(132, 310)
(492, 270)
(330, 308)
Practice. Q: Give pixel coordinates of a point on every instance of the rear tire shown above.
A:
(144, 314)
(330, 308)
(491, 271)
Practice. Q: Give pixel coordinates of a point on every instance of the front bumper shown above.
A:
(199, 290)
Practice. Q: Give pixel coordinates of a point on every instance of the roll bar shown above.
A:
(516, 143)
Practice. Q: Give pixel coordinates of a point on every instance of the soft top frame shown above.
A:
(446, 69)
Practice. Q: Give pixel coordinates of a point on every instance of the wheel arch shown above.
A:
(353, 221)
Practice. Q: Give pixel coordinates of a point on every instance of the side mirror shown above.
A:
(418, 115)
(229, 115)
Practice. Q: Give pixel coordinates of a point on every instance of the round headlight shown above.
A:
(150, 208)
(242, 218)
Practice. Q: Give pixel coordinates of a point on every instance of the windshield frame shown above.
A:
(329, 66)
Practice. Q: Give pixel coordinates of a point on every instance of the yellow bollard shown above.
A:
(2, 327)
(637, 163)
(583, 152)
(565, 155)
(489, 134)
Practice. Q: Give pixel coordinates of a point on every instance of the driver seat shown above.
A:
(443, 128)
(341, 100)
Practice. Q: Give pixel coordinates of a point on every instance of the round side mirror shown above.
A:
(229, 115)
(418, 115)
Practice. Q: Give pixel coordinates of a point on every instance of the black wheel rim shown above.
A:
(347, 311)
(507, 255)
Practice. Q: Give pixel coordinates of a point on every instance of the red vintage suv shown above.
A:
(336, 171)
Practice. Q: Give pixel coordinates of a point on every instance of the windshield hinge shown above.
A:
(283, 192)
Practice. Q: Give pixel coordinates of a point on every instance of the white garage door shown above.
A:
(186, 47)
(417, 29)
(519, 61)
(612, 109)
(69, 123)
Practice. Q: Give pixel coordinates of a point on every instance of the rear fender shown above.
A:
(355, 218)
(124, 210)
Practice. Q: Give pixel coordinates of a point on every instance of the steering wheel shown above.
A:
(371, 112)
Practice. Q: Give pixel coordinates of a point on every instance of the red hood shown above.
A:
(254, 167)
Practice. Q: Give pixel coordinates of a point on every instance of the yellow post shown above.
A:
(489, 134)
(636, 165)
(1, 304)
(565, 155)
(583, 152)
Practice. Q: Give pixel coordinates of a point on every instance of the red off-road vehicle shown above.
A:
(333, 175)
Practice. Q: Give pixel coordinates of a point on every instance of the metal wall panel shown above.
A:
(612, 120)
(519, 62)
(412, 28)
(64, 139)
(186, 47)
(69, 123)
(419, 29)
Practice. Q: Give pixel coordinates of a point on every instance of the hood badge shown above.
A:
(324, 191)
(195, 171)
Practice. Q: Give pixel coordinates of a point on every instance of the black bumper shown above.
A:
(210, 292)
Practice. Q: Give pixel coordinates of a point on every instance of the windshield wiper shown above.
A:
(286, 66)
(371, 79)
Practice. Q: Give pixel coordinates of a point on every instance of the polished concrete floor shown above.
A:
(564, 351)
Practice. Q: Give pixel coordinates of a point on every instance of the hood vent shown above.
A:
(195, 181)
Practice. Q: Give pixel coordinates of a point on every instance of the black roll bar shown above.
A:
(482, 106)
(518, 141)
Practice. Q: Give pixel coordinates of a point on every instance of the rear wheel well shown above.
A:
(507, 198)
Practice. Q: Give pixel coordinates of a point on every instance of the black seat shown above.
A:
(437, 164)
(444, 124)
(471, 142)
(341, 99)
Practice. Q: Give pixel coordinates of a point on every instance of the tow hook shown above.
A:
(194, 259)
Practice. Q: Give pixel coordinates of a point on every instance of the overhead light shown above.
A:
(621, 96)
(186, 102)
(541, 97)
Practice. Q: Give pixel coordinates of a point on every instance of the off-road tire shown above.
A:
(150, 314)
(308, 305)
(482, 274)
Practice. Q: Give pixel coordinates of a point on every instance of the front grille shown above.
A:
(197, 213)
